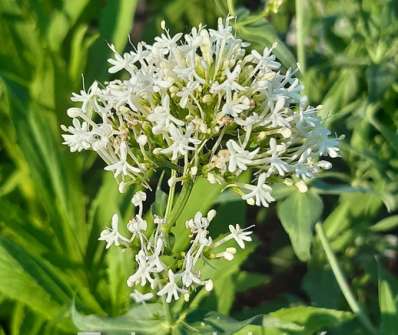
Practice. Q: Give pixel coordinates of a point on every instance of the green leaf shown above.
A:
(80, 45)
(311, 319)
(116, 20)
(144, 319)
(388, 303)
(62, 20)
(258, 31)
(320, 285)
(27, 279)
(385, 224)
(247, 280)
(298, 214)
(118, 270)
(220, 324)
(25, 322)
(201, 198)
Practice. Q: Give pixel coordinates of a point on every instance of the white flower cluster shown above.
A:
(171, 279)
(202, 104)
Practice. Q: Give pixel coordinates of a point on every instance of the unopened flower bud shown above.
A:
(209, 285)
(142, 140)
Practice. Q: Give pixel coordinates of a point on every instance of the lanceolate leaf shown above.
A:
(298, 214)
(143, 319)
(201, 198)
(28, 280)
(312, 319)
(116, 20)
(258, 31)
(388, 302)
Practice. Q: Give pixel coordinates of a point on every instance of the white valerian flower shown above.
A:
(275, 161)
(239, 158)
(80, 137)
(171, 289)
(259, 194)
(199, 222)
(122, 167)
(194, 105)
(141, 297)
(162, 118)
(144, 271)
(112, 235)
(240, 235)
(202, 104)
(181, 143)
(136, 225)
(138, 198)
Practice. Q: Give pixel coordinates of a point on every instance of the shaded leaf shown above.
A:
(298, 214)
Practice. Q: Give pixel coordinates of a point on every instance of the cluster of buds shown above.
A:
(201, 104)
(158, 271)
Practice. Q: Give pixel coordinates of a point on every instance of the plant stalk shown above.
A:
(170, 198)
(231, 8)
(300, 36)
(342, 281)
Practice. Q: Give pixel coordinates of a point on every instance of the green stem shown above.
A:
(231, 8)
(180, 205)
(300, 37)
(170, 198)
(341, 280)
(167, 312)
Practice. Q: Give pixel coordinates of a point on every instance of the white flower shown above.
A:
(112, 235)
(230, 84)
(144, 271)
(136, 225)
(161, 117)
(87, 98)
(199, 222)
(275, 161)
(171, 289)
(101, 135)
(188, 276)
(240, 235)
(80, 137)
(235, 107)
(239, 157)
(118, 62)
(267, 60)
(181, 142)
(138, 198)
(141, 297)
(122, 167)
(259, 194)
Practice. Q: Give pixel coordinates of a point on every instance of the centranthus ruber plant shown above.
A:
(195, 106)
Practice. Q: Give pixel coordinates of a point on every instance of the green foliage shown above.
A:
(53, 205)
(298, 214)
(388, 302)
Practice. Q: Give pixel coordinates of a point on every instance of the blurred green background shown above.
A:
(54, 204)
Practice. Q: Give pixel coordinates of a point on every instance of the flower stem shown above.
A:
(342, 281)
(167, 312)
(231, 8)
(170, 198)
(300, 34)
